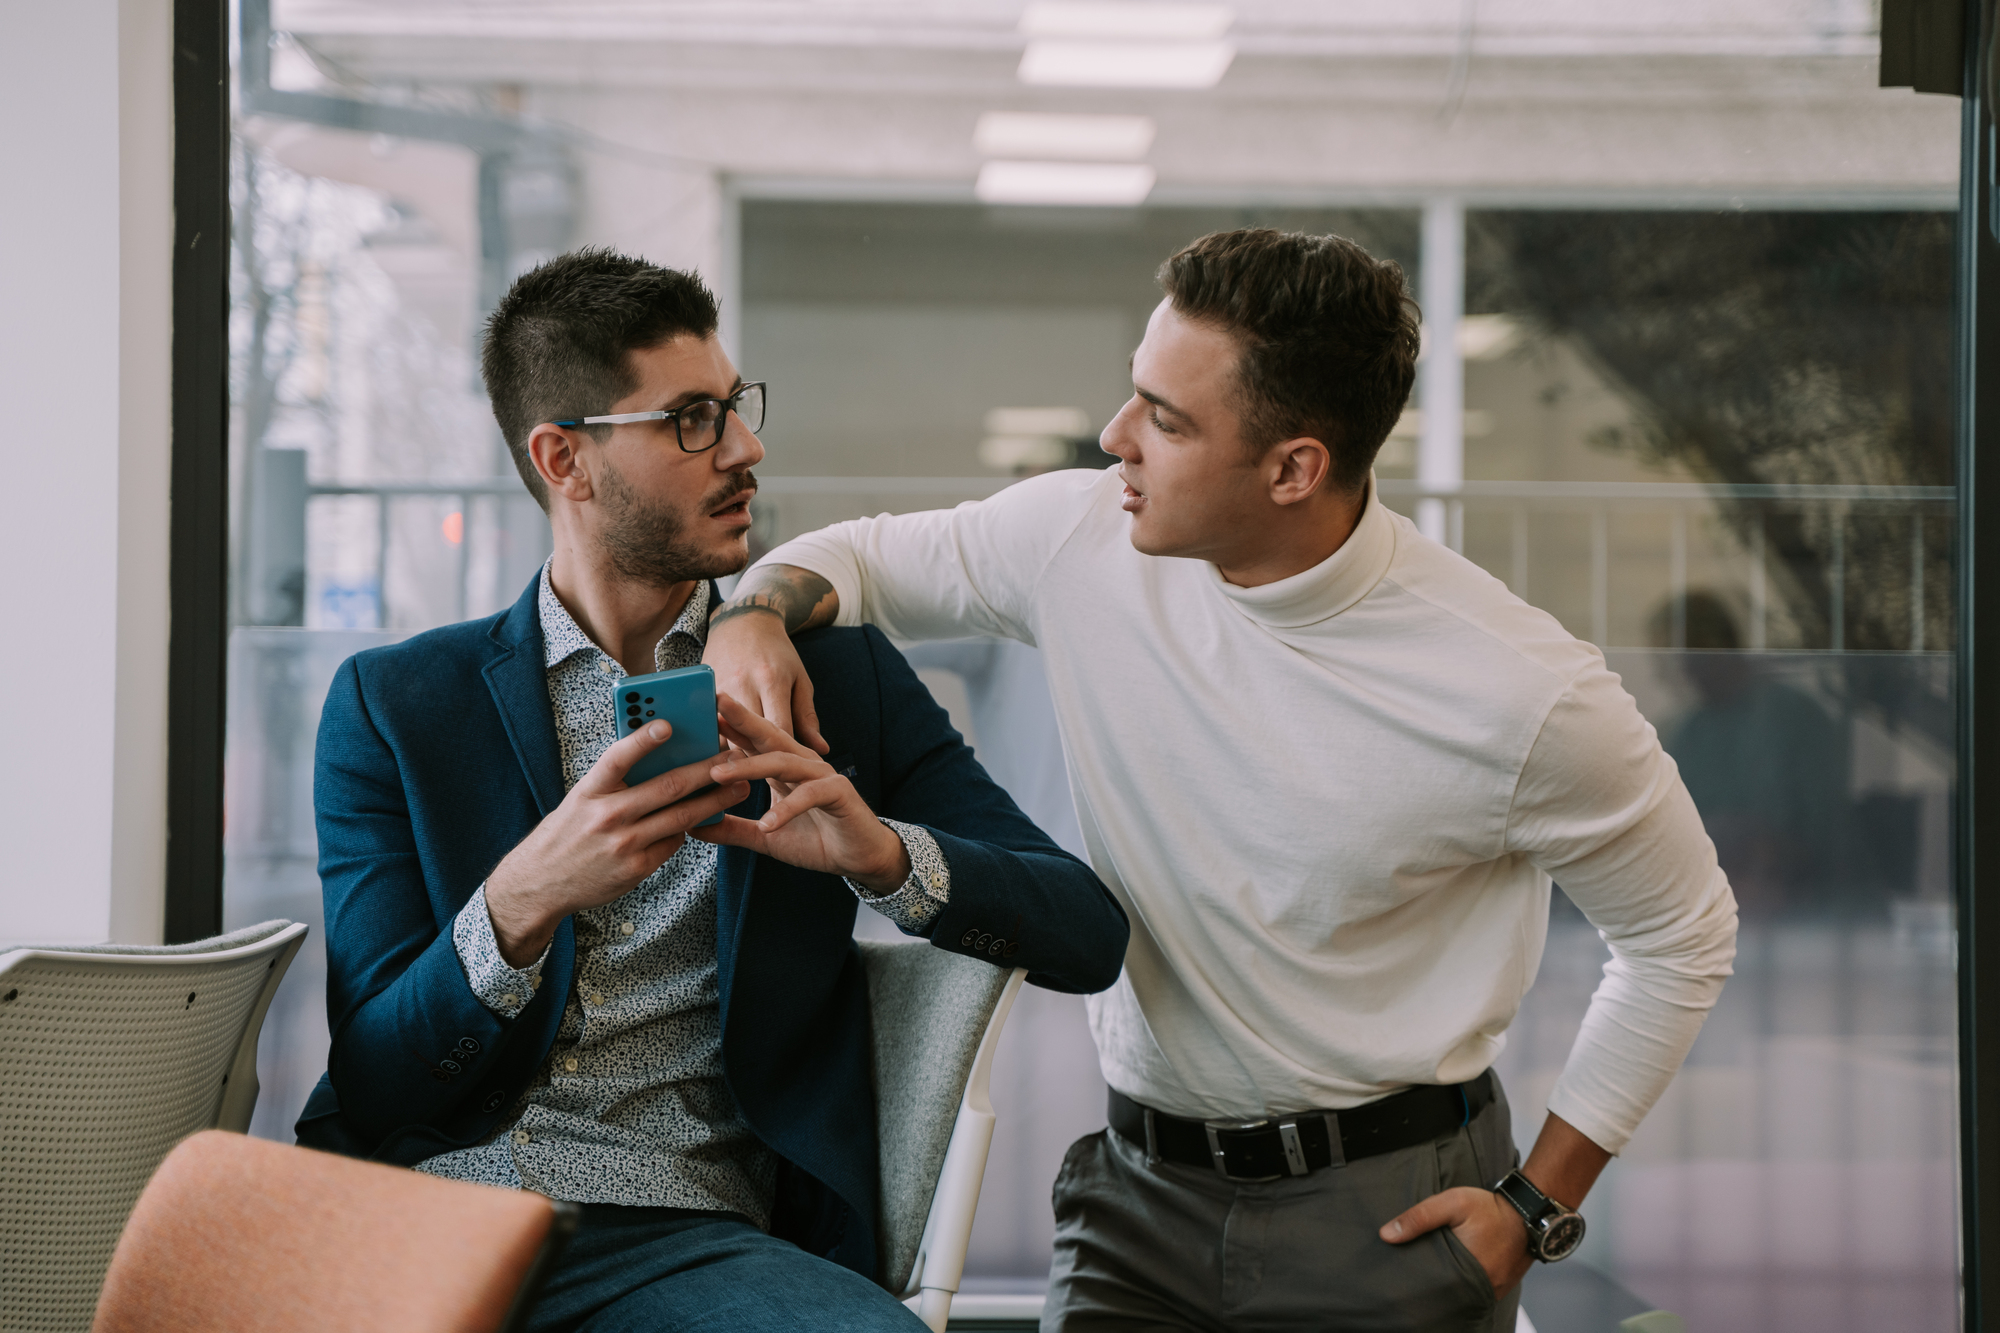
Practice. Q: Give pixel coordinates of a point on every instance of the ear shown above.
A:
(1298, 469)
(554, 452)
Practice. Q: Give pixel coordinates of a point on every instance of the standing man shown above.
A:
(539, 977)
(1329, 768)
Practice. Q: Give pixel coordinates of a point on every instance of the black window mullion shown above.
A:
(199, 482)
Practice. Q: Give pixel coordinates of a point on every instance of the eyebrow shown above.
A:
(696, 396)
(1158, 401)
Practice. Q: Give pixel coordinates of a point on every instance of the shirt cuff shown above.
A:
(503, 989)
(917, 901)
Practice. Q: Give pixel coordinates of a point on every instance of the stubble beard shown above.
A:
(649, 543)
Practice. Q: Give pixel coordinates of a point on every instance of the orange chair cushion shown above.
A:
(235, 1233)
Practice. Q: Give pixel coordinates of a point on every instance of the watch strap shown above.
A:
(1529, 1202)
(1550, 1224)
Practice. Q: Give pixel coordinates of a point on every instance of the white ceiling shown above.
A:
(1764, 100)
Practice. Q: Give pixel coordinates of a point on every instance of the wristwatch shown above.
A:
(1554, 1231)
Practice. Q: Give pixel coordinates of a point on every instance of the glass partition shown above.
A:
(1685, 387)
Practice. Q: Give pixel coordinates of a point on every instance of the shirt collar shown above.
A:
(563, 638)
(1329, 587)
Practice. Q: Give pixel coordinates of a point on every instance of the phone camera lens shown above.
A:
(635, 723)
(632, 711)
(649, 712)
(649, 698)
(632, 698)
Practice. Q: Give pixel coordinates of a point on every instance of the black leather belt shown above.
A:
(1305, 1141)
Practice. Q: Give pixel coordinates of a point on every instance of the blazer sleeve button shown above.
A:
(969, 936)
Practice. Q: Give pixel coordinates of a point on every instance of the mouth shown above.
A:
(736, 509)
(1133, 498)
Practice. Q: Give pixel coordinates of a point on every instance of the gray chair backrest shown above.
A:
(928, 1010)
(109, 1056)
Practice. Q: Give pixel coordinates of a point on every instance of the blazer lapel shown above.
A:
(520, 688)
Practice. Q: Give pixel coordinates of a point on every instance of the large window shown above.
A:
(1686, 386)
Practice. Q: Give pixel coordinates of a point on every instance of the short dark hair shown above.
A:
(1329, 336)
(558, 344)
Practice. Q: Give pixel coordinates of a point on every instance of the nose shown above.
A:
(739, 448)
(1117, 438)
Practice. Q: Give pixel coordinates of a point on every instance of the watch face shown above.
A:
(1561, 1237)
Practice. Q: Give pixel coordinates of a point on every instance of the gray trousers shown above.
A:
(1168, 1247)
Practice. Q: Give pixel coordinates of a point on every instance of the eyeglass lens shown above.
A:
(701, 424)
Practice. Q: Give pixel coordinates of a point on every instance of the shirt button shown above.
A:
(510, 999)
(523, 1136)
(608, 668)
(626, 928)
(569, 1065)
(937, 879)
(594, 998)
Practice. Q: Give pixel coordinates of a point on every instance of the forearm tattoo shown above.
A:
(798, 597)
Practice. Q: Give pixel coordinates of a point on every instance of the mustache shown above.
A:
(735, 486)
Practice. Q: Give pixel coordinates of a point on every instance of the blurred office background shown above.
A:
(1686, 279)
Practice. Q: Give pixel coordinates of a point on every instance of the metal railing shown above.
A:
(782, 502)
(1601, 500)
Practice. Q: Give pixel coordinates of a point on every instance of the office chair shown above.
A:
(109, 1055)
(240, 1235)
(934, 1118)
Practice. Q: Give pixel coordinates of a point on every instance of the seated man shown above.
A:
(539, 977)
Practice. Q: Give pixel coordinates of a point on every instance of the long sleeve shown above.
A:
(412, 1041)
(1013, 897)
(950, 573)
(915, 902)
(1601, 807)
(502, 988)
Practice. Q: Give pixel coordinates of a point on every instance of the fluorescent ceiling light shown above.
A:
(1476, 423)
(1106, 183)
(1083, 64)
(1096, 138)
(1014, 453)
(1058, 421)
(1108, 18)
(1487, 337)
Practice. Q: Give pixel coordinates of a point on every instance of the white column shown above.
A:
(85, 339)
(1441, 373)
(727, 280)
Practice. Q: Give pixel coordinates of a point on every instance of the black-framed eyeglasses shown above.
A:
(698, 426)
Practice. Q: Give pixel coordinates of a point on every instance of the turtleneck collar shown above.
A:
(1329, 587)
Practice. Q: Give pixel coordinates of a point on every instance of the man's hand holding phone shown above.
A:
(817, 821)
(600, 842)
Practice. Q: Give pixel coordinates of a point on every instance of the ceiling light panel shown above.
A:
(1062, 422)
(1021, 134)
(1100, 64)
(1108, 18)
(1077, 183)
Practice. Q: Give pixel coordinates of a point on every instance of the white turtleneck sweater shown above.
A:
(1331, 804)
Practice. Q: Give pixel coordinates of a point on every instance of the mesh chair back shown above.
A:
(928, 1010)
(238, 1235)
(109, 1055)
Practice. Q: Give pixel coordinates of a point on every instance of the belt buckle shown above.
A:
(1219, 1156)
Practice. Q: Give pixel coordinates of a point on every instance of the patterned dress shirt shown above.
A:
(632, 1107)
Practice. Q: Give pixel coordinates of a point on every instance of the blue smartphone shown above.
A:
(685, 700)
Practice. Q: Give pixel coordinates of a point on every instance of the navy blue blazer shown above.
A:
(437, 755)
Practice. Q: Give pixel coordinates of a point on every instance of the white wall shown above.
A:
(85, 341)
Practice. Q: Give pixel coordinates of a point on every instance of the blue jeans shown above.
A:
(656, 1270)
